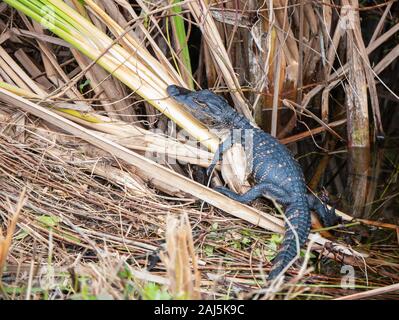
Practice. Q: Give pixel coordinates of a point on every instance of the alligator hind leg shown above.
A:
(263, 189)
(328, 217)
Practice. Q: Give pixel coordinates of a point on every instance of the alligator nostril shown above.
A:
(172, 90)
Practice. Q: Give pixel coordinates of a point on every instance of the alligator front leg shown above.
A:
(328, 217)
(266, 189)
(222, 148)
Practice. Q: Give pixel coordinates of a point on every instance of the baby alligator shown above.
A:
(276, 173)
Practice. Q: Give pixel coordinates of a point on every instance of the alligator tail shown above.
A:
(298, 214)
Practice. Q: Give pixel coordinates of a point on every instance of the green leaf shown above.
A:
(209, 250)
(181, 36)
(125, 273)
(68, 236)
(246, 241)
(49, 221)
(21, 235)
(277, 238)
(236, 245)
(83, 85)
(272, 246)
(247, 232)
(214, 226)
(153, 291)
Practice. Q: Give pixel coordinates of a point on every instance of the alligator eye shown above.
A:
(203, 105)
(200, 103)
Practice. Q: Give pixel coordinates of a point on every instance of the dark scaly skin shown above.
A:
(276, 173)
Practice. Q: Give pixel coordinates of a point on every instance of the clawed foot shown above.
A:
(333, 218)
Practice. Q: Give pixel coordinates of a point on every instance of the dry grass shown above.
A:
(83, 235)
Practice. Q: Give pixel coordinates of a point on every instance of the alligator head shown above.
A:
(211, 109)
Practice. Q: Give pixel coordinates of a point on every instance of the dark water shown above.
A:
(372, 184)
